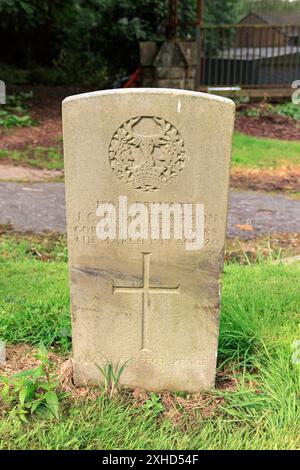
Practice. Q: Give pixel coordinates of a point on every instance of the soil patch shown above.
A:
(276, 247)
(175, 408)
(44, 107)
(10, 172)
(271, 126)
(280, 179)
(21, 357)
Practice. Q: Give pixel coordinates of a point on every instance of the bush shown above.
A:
(288, 109)
(78, 38)
(15, 113)
(89, 41)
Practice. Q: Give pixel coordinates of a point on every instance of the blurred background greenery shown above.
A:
(93, 42)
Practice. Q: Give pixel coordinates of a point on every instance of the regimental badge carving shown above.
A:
(147, 152)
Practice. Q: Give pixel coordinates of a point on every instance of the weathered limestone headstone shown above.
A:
(147, 176)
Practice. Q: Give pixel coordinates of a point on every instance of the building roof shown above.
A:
(280, 17)
(277, 17)
(253, 53)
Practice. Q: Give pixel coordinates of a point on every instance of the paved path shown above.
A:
(33, 207)
(39, 207)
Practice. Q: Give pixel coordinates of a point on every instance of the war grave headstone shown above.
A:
(147, 178)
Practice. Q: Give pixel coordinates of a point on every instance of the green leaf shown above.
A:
(35, 405)
(4, 379)
(5, 393)
(38, 372)
(120, 371)
(24, 373)
(22, 416)
(52, 403)
(23, 394)
(42, 353)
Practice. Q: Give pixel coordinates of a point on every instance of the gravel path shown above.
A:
(39, 207)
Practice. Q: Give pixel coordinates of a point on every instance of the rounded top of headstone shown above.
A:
(150, 91)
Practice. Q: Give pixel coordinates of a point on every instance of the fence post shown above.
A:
(199, 42)
(198, 73)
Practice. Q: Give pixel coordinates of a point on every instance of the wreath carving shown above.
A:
(147, 152)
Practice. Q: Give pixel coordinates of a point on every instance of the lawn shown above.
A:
(248, 152)
(49, 158)
(253, 152)
(255, 404)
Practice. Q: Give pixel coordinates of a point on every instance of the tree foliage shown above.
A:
(83, 38)
(78, 36)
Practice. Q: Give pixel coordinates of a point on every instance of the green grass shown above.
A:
(50, 158)
(259, 322)
(248, 152)
(25, 314)
(252, 152)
